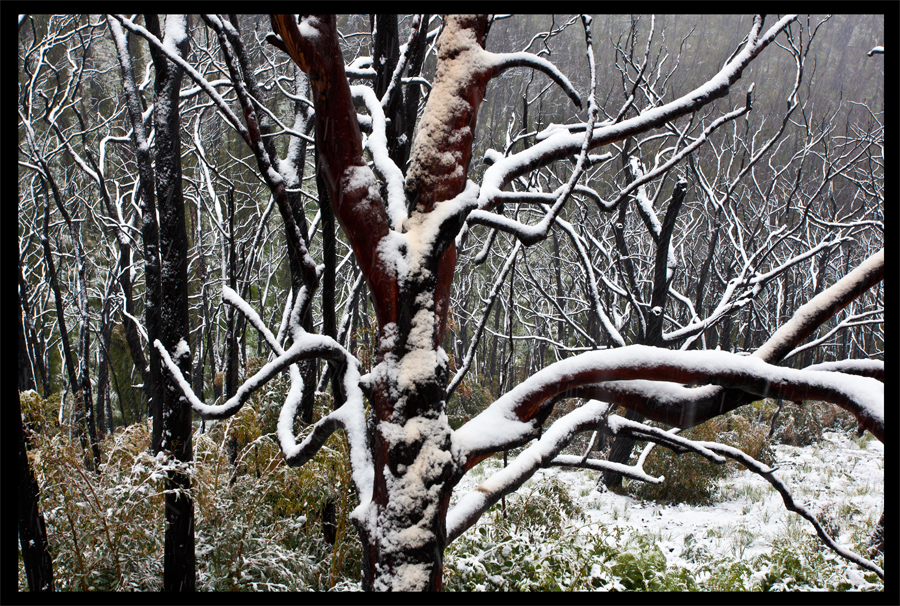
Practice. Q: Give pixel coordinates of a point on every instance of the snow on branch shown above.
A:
(351, 416)
(563, 143)
(544, 453)
(810, 316)
(629, 471)
(193, 73)
(863, 368)
(500, 62)
(507, 480)
(518, 413)
(231, 297)
(312, 346)
(854, 320)
(377, 144)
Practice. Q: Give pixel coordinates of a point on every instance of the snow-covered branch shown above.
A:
(543, 453)
(500, 62)
(377, 144)
(519, 413)
(863, 368)
(824, 305)
(189, 69)
(563, 143)
(539, 454)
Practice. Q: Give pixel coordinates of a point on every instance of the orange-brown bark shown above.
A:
(358, 208)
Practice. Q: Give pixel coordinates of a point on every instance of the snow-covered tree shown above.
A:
(637, 236)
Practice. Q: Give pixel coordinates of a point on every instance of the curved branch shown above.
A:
(311, 346)
(504, 61)
(684, 407)
(543, 453)
(519, 412)
(563, 143)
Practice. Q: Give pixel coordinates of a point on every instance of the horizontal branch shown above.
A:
(519, 412)
(862, 368)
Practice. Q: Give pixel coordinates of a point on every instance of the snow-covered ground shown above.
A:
(839, 478)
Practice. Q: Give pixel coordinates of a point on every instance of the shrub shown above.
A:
(261, 531)
(469, 399)
(39, 415)
(803, 424)
(692, 479)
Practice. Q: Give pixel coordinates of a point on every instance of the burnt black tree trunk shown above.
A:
(26, 376)
(175, 426)
(329, 322)
(149, 235)
(60, 312)
(622, 446)
(32, 533)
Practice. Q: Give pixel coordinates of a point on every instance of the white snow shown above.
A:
(309, 27)
(749, 514)
(461, 60)
(414, 494)
(377, 145)
(176, 32)
(498, 423)
(800, 321)
(645, 205)
(181, 350)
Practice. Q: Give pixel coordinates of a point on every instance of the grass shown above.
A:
(620, 555)
(258, 522)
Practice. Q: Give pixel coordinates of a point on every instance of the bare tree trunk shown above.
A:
(175, 417)
(32, 532)
(104, 423)
(69, 359)
(622, 446)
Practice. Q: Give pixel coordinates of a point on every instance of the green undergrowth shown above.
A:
(543, 542)
(258, 522)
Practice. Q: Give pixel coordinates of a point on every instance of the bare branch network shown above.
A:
(660, 242)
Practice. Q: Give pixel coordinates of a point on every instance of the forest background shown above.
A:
(776, 204)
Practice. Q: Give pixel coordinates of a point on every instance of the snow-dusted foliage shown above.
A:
(659, 232)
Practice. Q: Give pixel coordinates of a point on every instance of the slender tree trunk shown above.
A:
(176, 427)
(198, 369)
(329, 257)
(32, 532)
(104, 423)
(60, 313)
(622, 447)
(561, 323)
